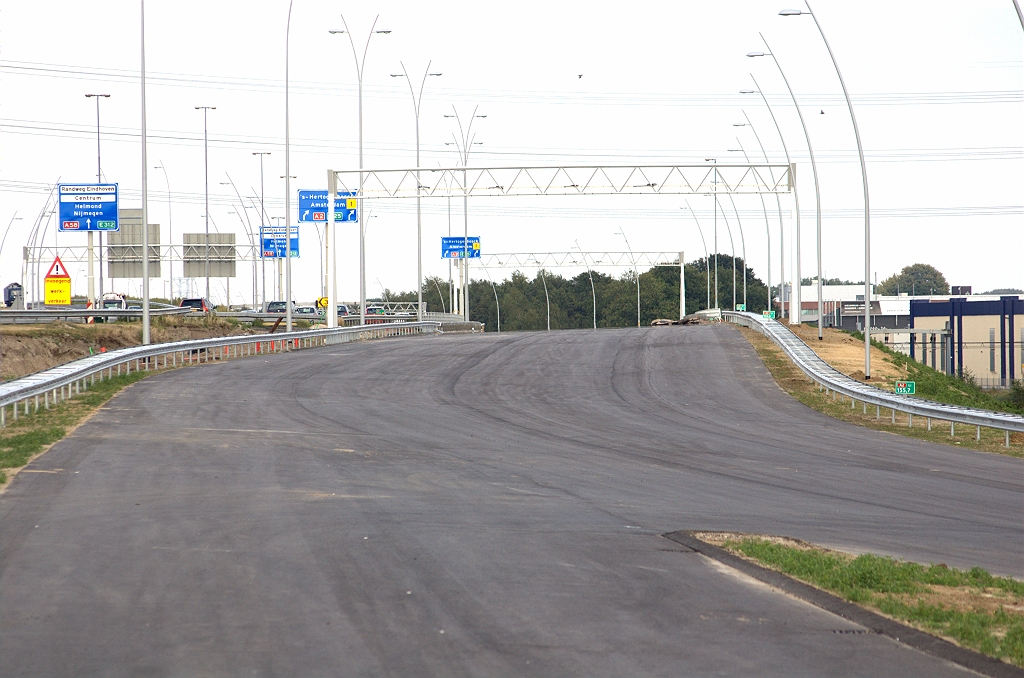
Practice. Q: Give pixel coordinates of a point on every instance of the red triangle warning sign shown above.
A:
(57, 270)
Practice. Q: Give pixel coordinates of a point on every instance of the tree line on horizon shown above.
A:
(523, 304)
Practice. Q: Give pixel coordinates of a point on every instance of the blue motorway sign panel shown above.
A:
(457, 247)
(88, 207)
(272, 242)
(313, 206)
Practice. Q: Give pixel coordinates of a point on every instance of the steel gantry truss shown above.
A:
(556, 180)
(567, 180)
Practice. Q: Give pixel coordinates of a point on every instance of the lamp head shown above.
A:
(792, 12)
(755, 54)
(748, 91)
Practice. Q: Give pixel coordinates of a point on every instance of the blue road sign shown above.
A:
(88, 207)
(272, 242)
(458, 247)
(313, 206)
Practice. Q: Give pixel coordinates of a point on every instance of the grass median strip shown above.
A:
(793, 381)
(29, 436)
(972, 607)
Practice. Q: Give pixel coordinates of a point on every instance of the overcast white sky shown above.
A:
(938, 88)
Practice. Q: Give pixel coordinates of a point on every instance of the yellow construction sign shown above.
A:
(57, 285)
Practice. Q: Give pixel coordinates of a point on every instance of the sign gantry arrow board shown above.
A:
(57, 285)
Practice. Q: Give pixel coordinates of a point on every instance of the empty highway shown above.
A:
(471, 505)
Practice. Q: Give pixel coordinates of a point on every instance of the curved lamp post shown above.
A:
(707, 262)
(867, 207)
(360, 65)
(593, 291)
(496, 304)
(778, 202)
(732, 245)
(817, 192)
(743, 243)
(767, 227)
(463, 144)
(416, 101)
(632, 259)
(99, 179)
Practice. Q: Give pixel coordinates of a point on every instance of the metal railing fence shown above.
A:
(51, 314)
(834, 381)
(65, 381)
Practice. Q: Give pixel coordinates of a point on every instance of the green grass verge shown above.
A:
(794, 382)
(940, 387)
(973, 607)
(23, 439)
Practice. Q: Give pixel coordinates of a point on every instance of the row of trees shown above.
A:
(524, 305)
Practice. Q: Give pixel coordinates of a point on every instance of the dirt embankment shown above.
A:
(25, 349)
(846, 354)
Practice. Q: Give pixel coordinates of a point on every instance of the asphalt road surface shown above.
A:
(471, 506)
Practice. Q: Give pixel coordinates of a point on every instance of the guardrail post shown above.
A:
(37, 404)
(910, 420)
(893, 416)
(3, 419)
(46, 400)
(979, 434)
(952, 429)
(1007, 431)
(929, 419)
(15, 410)
(878, 411)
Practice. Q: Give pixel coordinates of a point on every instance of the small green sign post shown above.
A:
(906, 388)
(768, 314)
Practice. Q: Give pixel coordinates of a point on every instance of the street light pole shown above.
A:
(743, 243)
(288, 175)
(707, 261)
(814, 170)
(632, 259)
(416, 101)
(593, 292)
(466, 144)
(263, 223)
(170, 229)
(732, 245)
(360, 65)
(99, 180)
(767, 227)
(206, 169)
(145, 184)
(867, 207)
(715, 201)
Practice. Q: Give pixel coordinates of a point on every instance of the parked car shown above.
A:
(279, 307)
(342, 311)
(198, 305)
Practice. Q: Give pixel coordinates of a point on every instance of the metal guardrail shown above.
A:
(65, 381)
(831, 379)
(51, 314)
